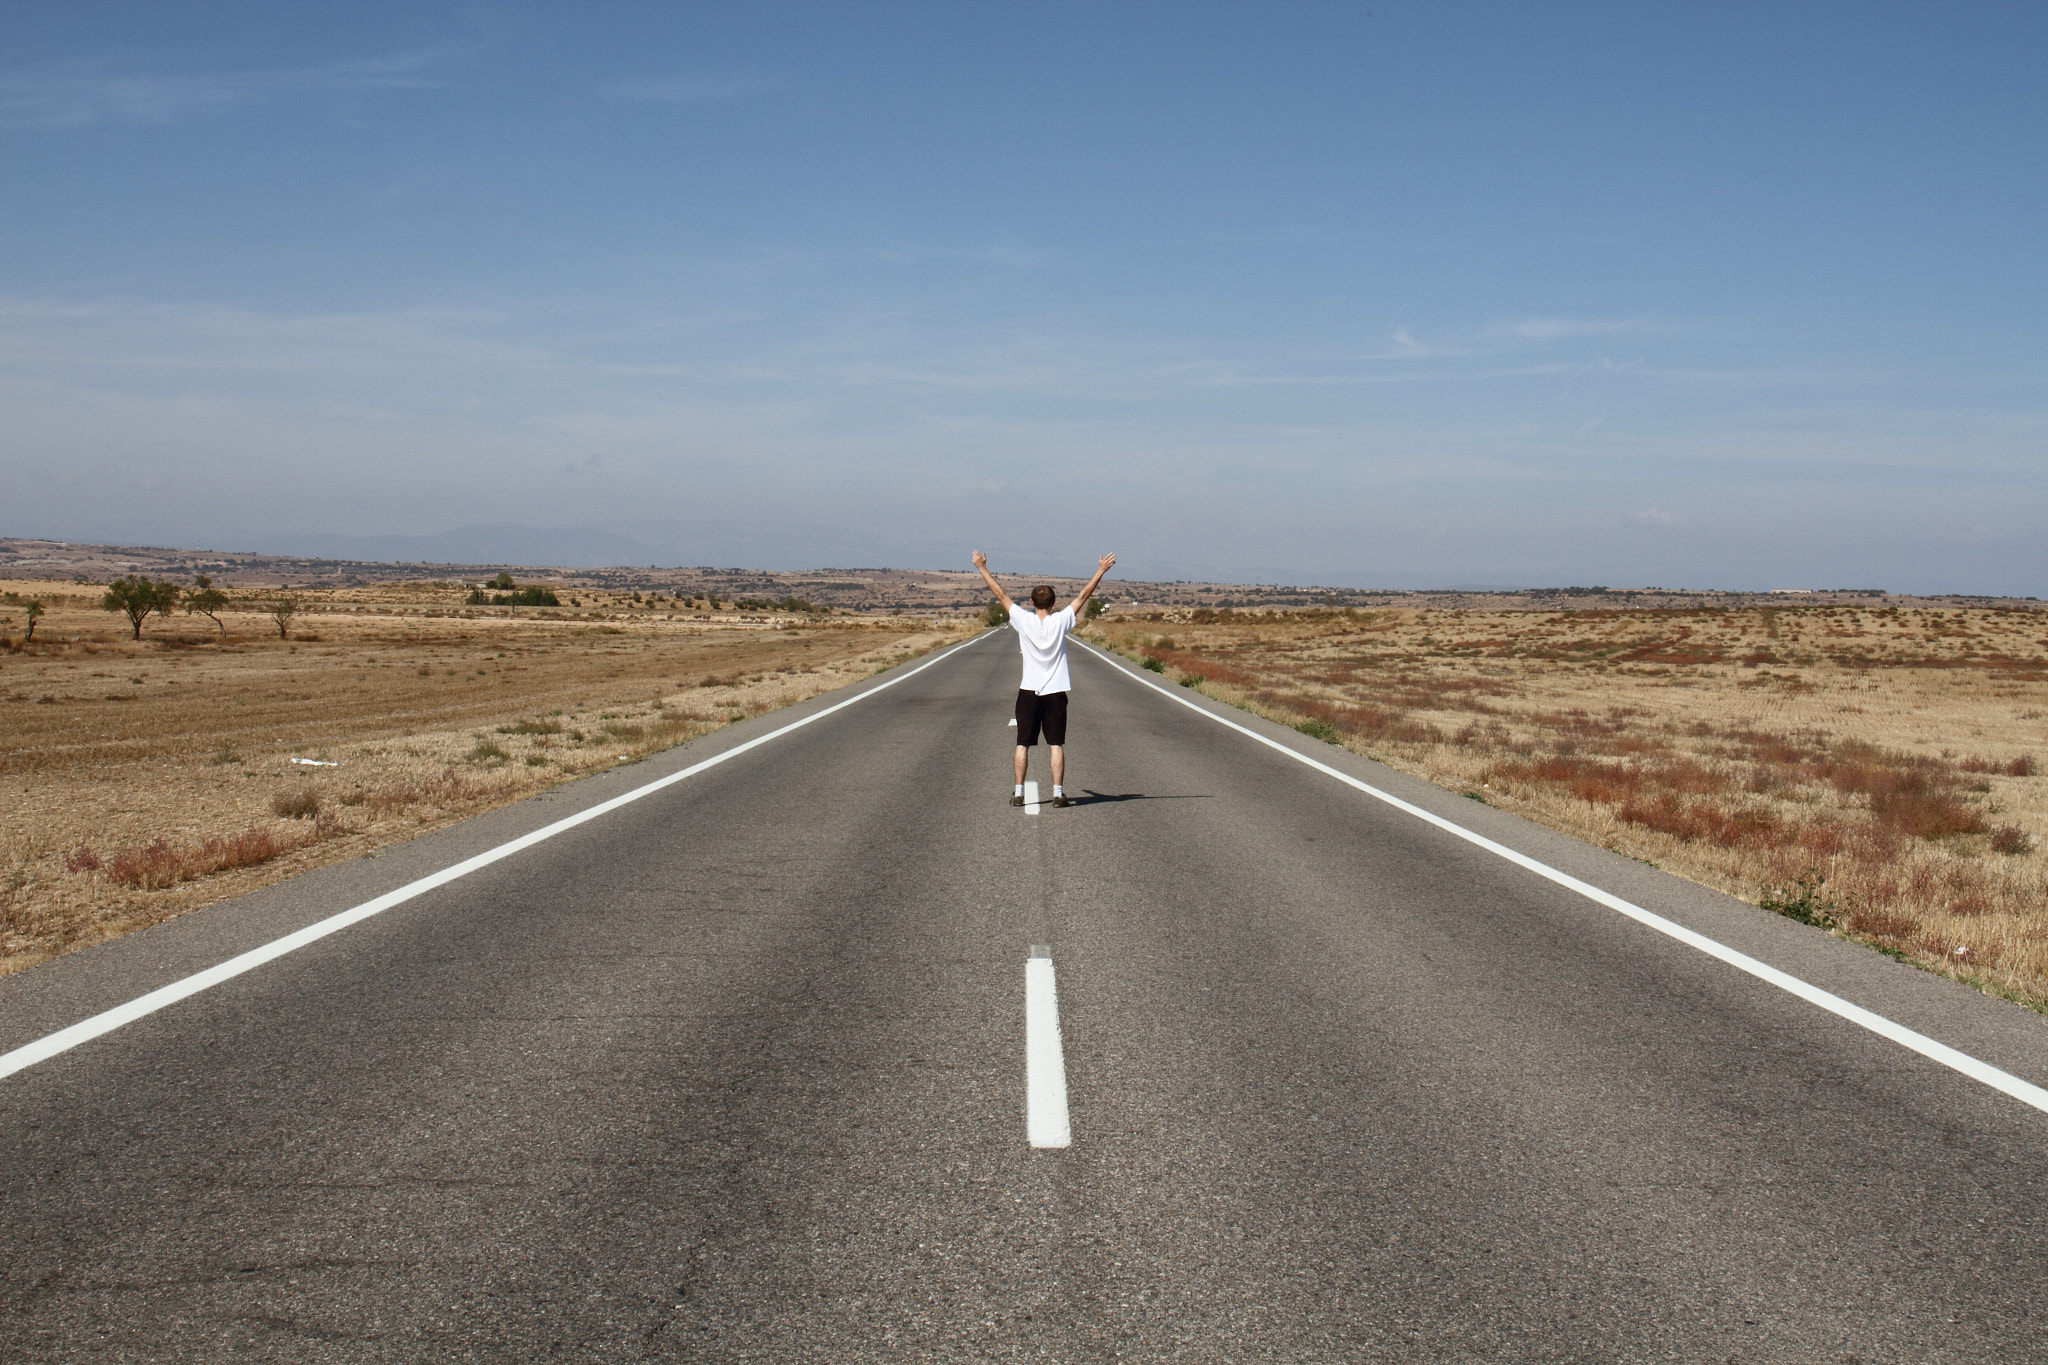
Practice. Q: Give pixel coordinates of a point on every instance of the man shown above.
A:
(1042, 697)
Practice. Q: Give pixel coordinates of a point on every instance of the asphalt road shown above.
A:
(736, 1072)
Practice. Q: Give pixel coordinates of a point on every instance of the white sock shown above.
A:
(1058, 790)
(1020, 789)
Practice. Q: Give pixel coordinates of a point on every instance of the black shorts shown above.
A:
(1047, 713)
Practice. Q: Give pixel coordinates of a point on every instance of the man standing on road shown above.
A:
(1042, 697)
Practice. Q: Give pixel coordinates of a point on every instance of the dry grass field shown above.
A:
(1880, 771)
(139, 779)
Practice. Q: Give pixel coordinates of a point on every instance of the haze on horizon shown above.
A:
(1740, 296)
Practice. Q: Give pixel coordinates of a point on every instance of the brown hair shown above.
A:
(1042, 597)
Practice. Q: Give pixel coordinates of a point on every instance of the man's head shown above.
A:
(1042, 597)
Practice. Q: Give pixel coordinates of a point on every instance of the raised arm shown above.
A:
(981, 563)
(1102, 567)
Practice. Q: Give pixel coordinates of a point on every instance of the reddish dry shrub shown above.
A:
(161, 864)
(2011, 839)
(1889, 925)
(1664, 813)
(1689, 775)
(300, 804)
(1824, 838)
(1477, 735)
(1379, 723)
(247, 849)
(1185, 662)
(1926, 814)
(82, 859)
(1704, 821)
(1634, 746)
(153, 867)
(1589, 779)
(1858, 769)
(1608, 783)
(1761, 746)
(2023, 766)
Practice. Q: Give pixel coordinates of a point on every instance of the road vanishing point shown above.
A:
(800, 1043)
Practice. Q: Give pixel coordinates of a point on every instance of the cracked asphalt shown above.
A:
(736, 1073)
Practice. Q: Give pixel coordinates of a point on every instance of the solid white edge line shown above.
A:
(86, 1030)
(1031, 798)
(1045, 1064)
(2025, 1092)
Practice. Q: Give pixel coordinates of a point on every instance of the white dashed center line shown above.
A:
(1031, 798)
(1045, 1062)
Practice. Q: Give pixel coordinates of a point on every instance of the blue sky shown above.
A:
(1720, 295)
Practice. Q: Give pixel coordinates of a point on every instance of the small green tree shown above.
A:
(136, 597)
(1096, 606)
(34, 608)
(206, 600)
(996, 614)
(528, 596)
(503, 583)
(282, 609)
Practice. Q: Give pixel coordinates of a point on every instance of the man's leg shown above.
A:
(1027, 735)
(1055, 721)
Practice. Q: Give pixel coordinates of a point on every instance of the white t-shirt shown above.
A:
(1043, 639)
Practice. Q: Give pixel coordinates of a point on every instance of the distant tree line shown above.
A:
(510, 594)
(796, 604)
(139, 597)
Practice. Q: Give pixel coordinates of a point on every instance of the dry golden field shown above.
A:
(1880, 771)
(139, 780)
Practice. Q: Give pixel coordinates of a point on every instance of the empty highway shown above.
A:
(736, 1071)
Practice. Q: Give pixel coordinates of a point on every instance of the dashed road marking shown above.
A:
(1045, 1061)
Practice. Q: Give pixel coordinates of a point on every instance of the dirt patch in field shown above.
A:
(1879, 771)
(141, 779)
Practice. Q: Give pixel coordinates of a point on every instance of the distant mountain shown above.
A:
(489, 543)
(1269, 576)
(778, 546)
(772, 546)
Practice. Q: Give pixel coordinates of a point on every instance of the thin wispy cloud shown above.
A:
(1407, 344)
(1494, 338)
(1007, 257)
(74, 94)
(1555, 329)
(1248, 379)
(691, 89)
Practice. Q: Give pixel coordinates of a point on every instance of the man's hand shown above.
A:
(981, 563)
(1081, 599)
